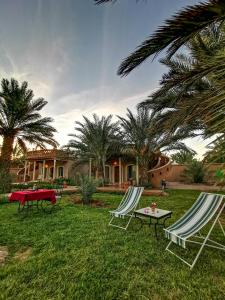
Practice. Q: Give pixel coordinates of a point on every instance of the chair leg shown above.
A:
(203, 244)
(121, 227)
(207, 237)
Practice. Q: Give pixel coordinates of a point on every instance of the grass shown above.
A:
(73, 254)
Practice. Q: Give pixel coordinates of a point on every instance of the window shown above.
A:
(60, 172)
(130, 172)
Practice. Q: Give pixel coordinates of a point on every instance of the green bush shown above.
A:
(5, 182)
(195, 171)
(87, 187)
(220, 177)
(4, 199)
(69, 181)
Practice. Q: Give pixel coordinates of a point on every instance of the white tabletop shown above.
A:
(158, 213)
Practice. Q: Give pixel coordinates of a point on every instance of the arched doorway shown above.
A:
(130, 172)
(107, 173)
(116, 174)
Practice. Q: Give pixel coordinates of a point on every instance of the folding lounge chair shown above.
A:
(127, 205)
(203, 210)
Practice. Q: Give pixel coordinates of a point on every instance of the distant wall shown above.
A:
(174, 173)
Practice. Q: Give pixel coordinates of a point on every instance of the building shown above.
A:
(45, 165)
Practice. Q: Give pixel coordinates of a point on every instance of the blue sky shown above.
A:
(69, 52)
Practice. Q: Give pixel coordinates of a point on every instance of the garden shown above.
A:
(72, 253)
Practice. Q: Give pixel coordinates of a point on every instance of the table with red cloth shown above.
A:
(24, 197)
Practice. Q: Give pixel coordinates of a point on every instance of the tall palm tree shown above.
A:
(20, 120)
(144, 141)
(97, 139)
(190, 96)
(176, 32)
(183, 157)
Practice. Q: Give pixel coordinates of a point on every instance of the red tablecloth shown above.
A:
(23, 196)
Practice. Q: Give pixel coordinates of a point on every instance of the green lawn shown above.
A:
(75, 255)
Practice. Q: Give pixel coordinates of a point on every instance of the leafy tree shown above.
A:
(144, 141)
(195, 171)
(216, 152)
(183, 156)
(97, 139)
(20, 121)
(87, 187)
(18, 155)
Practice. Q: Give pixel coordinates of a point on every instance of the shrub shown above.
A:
(60, 181)
(195, 171)
(4, 199)
(220, 177)
(87, 187)
(5, 182)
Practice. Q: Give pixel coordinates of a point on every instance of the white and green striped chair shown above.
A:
(206, 207)
(127, 206)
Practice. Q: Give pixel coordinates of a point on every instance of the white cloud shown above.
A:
(64, 122)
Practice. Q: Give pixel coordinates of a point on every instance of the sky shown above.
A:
(69, 52)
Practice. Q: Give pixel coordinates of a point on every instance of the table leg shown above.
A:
(165, 221)
(140, 219)
(155, 225)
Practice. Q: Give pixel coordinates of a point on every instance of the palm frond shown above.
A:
(176, 32)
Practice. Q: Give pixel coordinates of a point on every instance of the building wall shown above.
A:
(175, 171)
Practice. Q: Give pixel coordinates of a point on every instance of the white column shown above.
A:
(34, 170)
(89, 167)
(120, 172)
(25, 170)
(54, 168)
(137, 172)
(28, 171)
(113, 175)
(43, 170)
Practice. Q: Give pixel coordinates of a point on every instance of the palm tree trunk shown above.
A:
(103, 171)
(143, 165)
(6, 152)
(5, 162)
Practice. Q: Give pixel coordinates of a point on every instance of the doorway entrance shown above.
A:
(116, 174)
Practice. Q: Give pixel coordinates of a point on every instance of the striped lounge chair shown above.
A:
(207, 207)
(127, 206)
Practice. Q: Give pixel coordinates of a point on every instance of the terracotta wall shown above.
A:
(175, 171)
(155, 176)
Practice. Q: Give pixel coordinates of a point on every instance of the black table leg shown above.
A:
(140, 219)
(155, 225)
(165, 220)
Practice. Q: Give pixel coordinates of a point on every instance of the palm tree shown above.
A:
(216, 152)
(190, 101)
(177, 31)
(20, 121)
(144, 141)
(97, 139)
(183, 156)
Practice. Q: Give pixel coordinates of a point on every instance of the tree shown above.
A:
(183, 157)
(187, 98)
(97, 140)
(177, 31)
(20, 121)
(195, 171)
(216, 152)
(145, 142)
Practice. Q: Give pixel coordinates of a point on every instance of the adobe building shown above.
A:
(45, 165)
